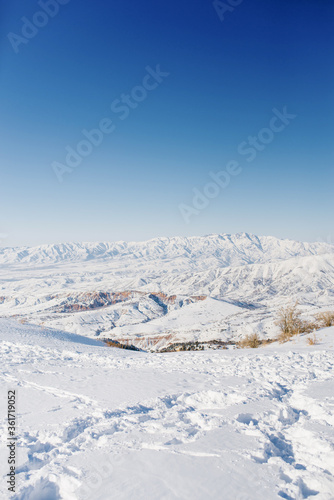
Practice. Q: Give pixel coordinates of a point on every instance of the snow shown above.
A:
(255, 274)
(195, 318)
(98, 423)
(218, 249)
(95, 422)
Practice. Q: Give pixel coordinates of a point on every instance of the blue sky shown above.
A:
(225, 77)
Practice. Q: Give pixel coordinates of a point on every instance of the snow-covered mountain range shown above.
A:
(216, 249)
(166, 289)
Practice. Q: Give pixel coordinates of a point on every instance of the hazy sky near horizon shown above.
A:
(180, 92)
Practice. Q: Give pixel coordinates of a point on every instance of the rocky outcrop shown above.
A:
(86, 301)
(93, 300)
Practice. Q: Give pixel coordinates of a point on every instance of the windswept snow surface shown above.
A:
(102, 423)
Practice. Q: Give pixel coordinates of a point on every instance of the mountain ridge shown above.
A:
(224, 247)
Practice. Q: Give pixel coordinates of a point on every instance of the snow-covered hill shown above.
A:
(146, 292)
(103, 423)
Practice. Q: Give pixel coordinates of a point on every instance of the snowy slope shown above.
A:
(194, 321)
(98, 423)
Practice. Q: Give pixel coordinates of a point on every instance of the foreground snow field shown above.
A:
(102, 423)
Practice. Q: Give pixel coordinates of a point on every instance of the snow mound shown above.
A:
(35, 335)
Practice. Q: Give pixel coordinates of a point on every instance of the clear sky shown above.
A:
(223, 71)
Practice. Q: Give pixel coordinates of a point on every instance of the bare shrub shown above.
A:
(289, 322)
(283, 337)
(308, 326)
(251, 341)
(325, 319)
(312, 340)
